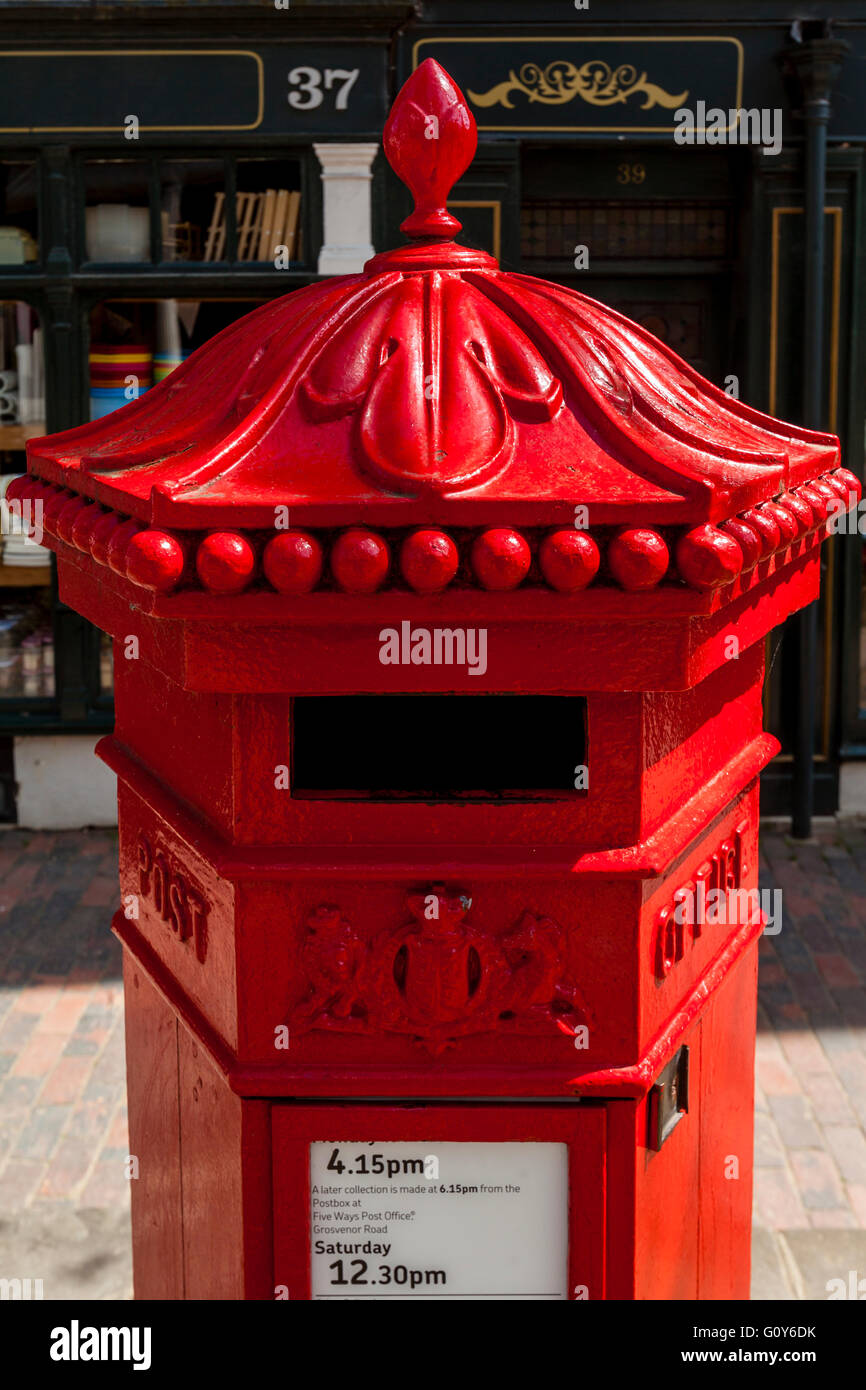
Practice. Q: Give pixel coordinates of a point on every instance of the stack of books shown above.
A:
(265, 222)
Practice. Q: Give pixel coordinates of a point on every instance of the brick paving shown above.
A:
(63, 1142)
(810, 1139)
(64, 1198)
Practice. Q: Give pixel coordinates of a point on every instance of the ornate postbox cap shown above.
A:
(507, 429)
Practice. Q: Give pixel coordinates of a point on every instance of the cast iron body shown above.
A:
(459, 449)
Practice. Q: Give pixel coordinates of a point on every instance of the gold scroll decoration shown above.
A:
(594, 82)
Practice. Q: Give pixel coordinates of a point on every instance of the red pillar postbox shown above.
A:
(438, 597)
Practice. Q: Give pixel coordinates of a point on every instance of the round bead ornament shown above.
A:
(83, 526)
(638, 559)
(155, 560)
(800, 510)
(115, 553)
(292, 562)
(52, 511)
(767, 528)
(428, 561)
(225, 562)
(747, 539)
(68, 516)
(100, 536)
(708, 558)
(785, 520)
(569, 560)
(501, 558)
(360, 560)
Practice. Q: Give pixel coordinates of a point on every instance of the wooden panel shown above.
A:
(154, 1138)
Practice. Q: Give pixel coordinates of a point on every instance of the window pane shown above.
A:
(22, 381)
(863, 630)
(117, 215)
(550, 229)
(269, 209)
(26, 646)
(19, 231)
(135, 344)
(106, 665)
(192, 195)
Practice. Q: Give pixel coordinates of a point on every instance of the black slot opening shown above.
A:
(437, 747)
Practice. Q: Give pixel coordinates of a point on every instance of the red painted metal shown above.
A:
(435, 445)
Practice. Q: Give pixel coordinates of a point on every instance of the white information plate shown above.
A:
(423, 1219)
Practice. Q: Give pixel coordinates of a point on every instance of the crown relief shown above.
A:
(436, 977)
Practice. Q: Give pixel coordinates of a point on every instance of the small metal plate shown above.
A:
(669, 1099)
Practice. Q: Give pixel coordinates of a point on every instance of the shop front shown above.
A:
(161, 173)
(165, 168)
(659, 167)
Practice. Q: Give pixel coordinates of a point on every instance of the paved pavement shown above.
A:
(810, 1122)
(64, 1213)
(64, 1199)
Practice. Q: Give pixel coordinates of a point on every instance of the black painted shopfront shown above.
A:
(126, 243)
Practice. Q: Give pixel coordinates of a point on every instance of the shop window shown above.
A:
(26, 645)
(193, 221)
(106, 665)
(192, 193)
(135, 344)
(550, 229)
(19, 224)
(117, 211)
(22, 381)
(863, 630)
(268, 211)
(7, 781)
(26, 637)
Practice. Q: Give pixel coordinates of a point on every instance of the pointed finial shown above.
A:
(430, 139)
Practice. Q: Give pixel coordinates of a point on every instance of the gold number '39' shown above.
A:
(630, 173)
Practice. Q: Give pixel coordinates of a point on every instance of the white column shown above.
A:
(346, 179)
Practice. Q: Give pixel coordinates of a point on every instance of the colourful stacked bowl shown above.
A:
(110, 367)
(164, 364)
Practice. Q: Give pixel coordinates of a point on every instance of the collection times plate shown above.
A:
(427, 1220)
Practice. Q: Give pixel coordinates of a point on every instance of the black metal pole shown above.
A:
(817, 64)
